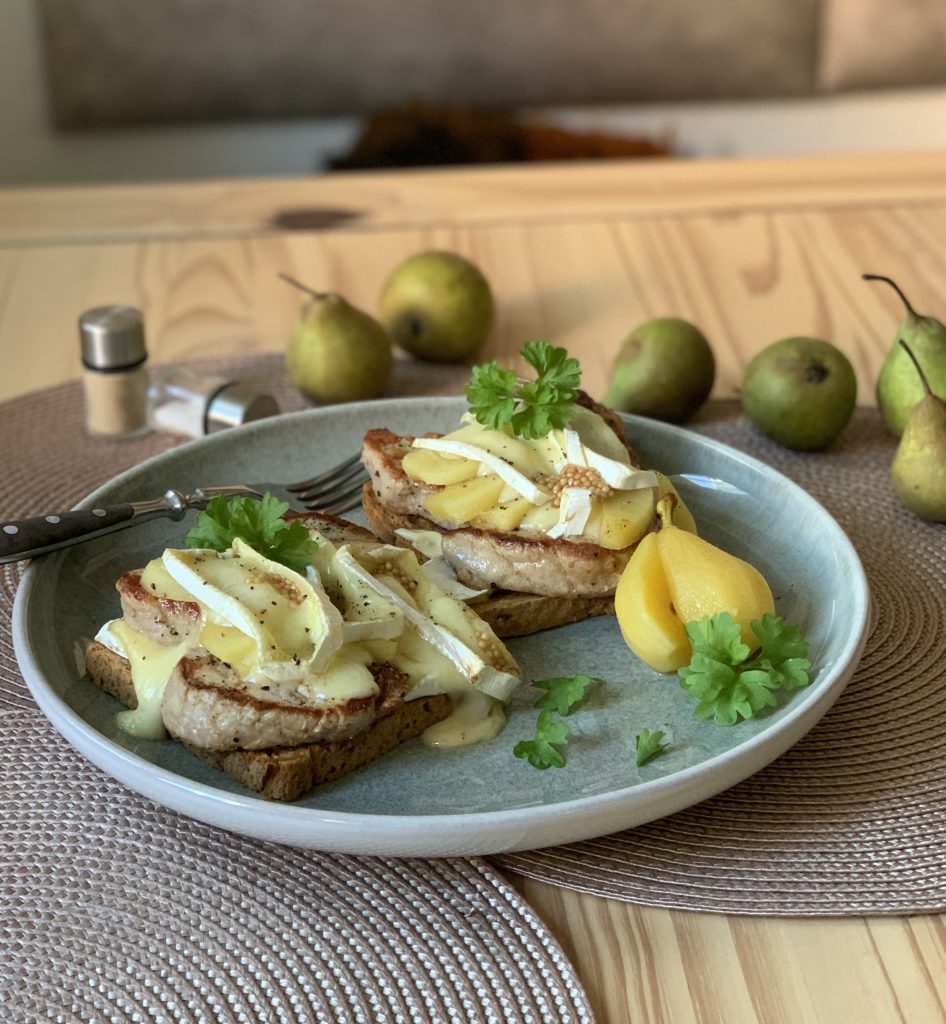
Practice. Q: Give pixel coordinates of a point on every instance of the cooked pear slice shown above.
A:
(649, 622)
(675, 577)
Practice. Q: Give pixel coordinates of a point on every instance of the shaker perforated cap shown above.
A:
(235, 404)
(113, 338)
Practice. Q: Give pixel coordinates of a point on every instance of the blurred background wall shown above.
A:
(122, 89)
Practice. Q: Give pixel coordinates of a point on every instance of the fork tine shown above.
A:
(339, 480)
(324, 479)
(342, 501)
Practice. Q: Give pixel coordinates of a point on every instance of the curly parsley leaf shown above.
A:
(491, 394)
(726, 686)
(534, 407)
(719, 637)
(648, 745)
(563, 694)
(259, 523)
(541, 750)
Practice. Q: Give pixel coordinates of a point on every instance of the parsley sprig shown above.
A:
(259, 523)
(534, 407)
(729, 687)
(647, 745)
(563, 695)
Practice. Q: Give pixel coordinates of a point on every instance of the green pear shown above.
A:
(664, 369)
(437, 306)
(800, 392)
(336, 353)
(898, 386)
(918, 472)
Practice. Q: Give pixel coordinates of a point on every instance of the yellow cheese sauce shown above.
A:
(263, 621)
(151, 665)
(475, 718)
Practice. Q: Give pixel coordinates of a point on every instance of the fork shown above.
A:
(335, 491)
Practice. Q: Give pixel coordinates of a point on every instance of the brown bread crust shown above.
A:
(286, 773)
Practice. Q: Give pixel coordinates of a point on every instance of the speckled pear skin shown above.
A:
(899, 387)
(918, 471)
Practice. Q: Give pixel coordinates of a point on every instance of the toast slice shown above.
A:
(286, 773)
(509, 612)
(576, 570)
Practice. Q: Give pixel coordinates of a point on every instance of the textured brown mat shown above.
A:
(115, 909)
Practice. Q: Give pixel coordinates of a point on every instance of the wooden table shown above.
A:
(750, 250)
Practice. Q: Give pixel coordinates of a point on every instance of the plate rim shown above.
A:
(471, 833)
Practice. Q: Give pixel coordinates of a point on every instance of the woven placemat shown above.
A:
(114, 909)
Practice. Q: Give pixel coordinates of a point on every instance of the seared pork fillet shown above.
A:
(162, 619)
(526, 561)
(533, 564)
(207, 705)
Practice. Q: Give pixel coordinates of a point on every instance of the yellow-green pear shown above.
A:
(898, 386)
(437, 306)
(918, 472)
(664, 369)
(336, 353)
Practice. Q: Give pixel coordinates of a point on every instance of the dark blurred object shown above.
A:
(419, 135)
(129, 62)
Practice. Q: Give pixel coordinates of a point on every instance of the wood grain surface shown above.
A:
(751, 251)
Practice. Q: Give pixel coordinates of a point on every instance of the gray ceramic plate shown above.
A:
(481, 799)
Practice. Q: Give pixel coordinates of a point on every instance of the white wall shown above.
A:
(31, 152)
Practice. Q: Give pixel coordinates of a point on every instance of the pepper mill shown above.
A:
(114, 372)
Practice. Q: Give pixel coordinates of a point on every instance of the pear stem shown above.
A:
(303, 287)
(919, 369)
(893, 284)
(665, 508)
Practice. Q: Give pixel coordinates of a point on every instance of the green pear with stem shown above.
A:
(898, 387)
(336, 353)
(918, 472)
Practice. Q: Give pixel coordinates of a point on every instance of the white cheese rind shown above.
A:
(282, 656)
(467, 661)
(574, 510)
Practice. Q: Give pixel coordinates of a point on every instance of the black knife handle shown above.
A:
(25, 538)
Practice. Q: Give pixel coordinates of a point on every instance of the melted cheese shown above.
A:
(475, 718)
(156, 579)
(269, 623)
(231, 646)
(294, 626)
(346, 678)
(151, 666)
(574, 510)
(430, 622)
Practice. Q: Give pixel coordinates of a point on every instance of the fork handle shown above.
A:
(24, 538)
